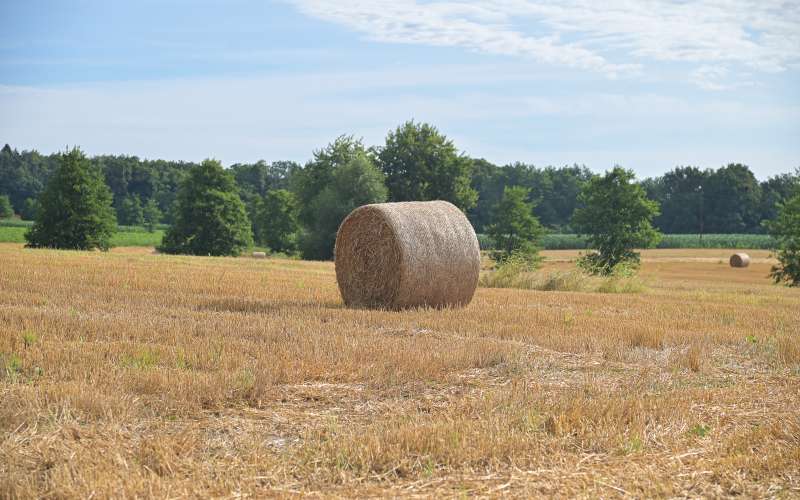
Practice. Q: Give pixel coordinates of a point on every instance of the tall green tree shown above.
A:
(732, 200)
(29, 209)
(515, 230)
(682, 198)
(617, 217)
(785, 229)
(777, 190)
(130, 211)
(355, 183)
(151, 215)
(276, 223)
(256, 179)
(75, 208)
(6, 210)
(308, 182)
(210, 218)
(421, 164)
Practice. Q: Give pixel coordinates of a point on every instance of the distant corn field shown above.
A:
(736, 241)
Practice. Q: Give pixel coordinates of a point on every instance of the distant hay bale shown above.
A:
(407, 254)
(740, 260)
(259, 255)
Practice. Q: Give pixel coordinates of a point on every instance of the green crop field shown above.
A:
(575, 242)
(13, 231)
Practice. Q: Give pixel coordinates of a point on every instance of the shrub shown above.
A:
(516, 231)
(517, 273)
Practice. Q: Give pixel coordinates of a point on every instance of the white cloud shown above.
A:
(612, 37)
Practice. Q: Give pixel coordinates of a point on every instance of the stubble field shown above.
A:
(130, 374)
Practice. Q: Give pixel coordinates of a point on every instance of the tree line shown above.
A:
(297, 208)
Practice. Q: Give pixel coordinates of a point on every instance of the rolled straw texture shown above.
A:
(407, 254)
(740, 260)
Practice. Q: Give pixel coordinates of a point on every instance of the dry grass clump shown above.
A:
(408, 254)
(517, 274)
(739, 260)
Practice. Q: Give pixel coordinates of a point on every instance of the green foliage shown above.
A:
(276, 222)
(210, 218)
(308, 182)
(75, 208)
(30, 207)
(151, 215)
(785, 229)
(680, 194)
(6, 210)
(255, 180)
(356, 183)
(553, 191)
(130, 211)
(616, 215)
(341, 177)
(515, 229)
(421, 164)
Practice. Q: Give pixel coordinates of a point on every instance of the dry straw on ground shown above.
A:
(408, 254)
(130, 375)
(740, 260)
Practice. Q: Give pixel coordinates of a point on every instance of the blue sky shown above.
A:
(645, 84)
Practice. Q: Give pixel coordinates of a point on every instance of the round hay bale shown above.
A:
(740, 260)
(259, 255)
(407, 254)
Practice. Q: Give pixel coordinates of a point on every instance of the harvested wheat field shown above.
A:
(129, 374)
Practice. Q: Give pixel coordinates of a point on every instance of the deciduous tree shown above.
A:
(617, 217)
(210, 218)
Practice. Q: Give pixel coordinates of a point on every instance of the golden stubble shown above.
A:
(132, 374)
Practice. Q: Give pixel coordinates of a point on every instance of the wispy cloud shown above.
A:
(615, 37)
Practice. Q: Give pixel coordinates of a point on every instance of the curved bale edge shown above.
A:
(739, 260)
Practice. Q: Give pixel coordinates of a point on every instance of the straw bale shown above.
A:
(407, 254)
(740, 260)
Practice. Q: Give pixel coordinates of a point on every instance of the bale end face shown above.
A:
(740, 260)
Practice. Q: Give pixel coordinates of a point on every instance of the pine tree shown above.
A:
(74, 210)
